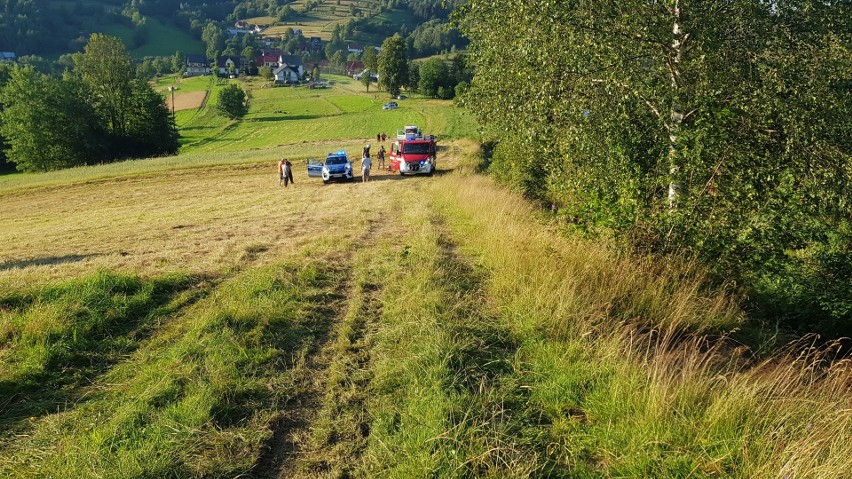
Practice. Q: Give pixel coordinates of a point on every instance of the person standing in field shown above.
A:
(378, 137)
(384, 137)
(366, 152)
(381, 157)
(285, 172)
(366, 163)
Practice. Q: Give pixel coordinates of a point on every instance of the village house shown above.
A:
(353, 67)
(290, 70)
(355, 48)
(271, 59)
(196, 64)
(227, 66)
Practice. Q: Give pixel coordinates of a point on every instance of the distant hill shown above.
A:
(160, 27)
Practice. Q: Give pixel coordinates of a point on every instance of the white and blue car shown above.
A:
(335, 167)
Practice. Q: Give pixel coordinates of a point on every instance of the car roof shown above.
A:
(337, 155)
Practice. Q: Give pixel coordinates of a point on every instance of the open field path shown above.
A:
(336, 361)
(207, 322)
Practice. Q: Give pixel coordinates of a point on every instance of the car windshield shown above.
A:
(416, 148)
(335, 160)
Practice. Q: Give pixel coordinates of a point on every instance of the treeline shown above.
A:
(98, 113)
(717, 130)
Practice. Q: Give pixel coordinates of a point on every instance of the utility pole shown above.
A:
(172, 90)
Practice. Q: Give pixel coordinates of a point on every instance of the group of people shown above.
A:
(285, 168)
(367, 162)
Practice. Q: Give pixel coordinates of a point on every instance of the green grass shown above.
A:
(162, 40)
(194, 399)
(197, 83)
(407, 327)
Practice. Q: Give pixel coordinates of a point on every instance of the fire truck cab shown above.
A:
(412, 152)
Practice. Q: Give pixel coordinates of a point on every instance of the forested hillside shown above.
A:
(716, 130)
(49, 29)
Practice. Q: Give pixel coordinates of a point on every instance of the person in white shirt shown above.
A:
(366, 163)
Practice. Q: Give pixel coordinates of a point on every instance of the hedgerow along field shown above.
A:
(187, 317)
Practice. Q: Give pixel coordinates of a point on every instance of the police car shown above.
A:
(335, 167)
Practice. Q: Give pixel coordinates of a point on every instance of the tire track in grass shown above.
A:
(325, 372)
(446, 397)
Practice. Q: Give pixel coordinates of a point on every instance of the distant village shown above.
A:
(287, 67)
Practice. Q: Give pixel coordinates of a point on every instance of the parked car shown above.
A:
(336, 166)
(390, 106)
(401, 97)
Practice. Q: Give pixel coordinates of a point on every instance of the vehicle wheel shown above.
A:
(325, 182)
(401, 174)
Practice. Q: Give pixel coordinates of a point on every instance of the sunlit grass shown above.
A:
(157, 316)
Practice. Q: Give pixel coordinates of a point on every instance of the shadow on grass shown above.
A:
(287, 118)
(51, 260)
(77, 358)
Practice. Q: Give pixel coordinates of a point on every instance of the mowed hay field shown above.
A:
(320, 21)
(188, 317)
(187, 101)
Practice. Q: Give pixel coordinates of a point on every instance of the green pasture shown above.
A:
(295, 122)
(295, 115)
(162, 40)
(197, 83)
(320, 21)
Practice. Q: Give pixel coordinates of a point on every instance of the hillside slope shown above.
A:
(190, 322)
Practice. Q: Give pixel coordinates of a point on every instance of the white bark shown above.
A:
(676, 115)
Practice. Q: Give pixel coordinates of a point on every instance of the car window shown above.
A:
(335, 160)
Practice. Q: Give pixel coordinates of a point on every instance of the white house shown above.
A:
(291, 69)
(286, 74)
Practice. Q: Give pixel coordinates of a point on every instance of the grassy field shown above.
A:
(188, 317)
(320, 22)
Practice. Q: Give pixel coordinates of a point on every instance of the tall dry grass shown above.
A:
(628, 359)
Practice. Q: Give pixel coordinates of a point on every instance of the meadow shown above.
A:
(188, 317)
(320, 21)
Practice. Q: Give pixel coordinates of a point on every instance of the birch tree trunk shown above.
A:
(678, 40)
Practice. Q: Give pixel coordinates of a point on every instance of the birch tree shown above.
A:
(716, 126)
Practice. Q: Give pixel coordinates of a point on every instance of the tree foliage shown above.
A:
(393, 65)
(715, 128)
(433, 75)
(232, 102)
(108, 70)
(99, 113)
(366, 78)
(47, 123)
(370, 58)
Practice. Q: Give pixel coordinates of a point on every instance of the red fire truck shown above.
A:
(413, 152)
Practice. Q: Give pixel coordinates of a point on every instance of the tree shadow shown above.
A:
(286, 118)
(46, 261)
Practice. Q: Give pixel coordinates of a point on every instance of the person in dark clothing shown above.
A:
(381, 156)
(285, 172)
